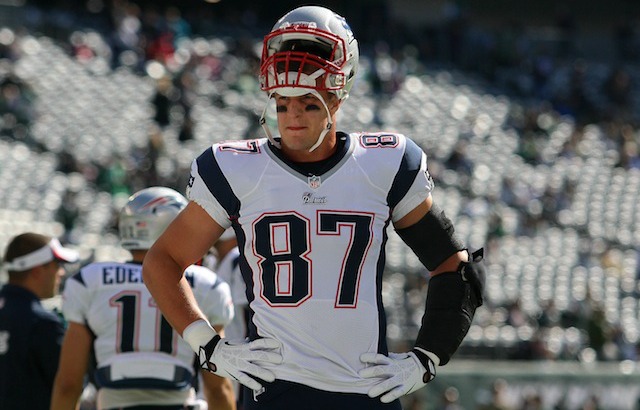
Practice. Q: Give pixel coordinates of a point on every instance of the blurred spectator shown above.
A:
(16, 105)
(186, 130)
(550, 316)
(573, 100)
(69, 212)
(625, 39)
(450, 399)
(498, 399)
(458, 160)
(163, 100)
(516, 316)
(617, 90)
(597, 331)
(532, 401)
(179, 27)
(533, 348)
(126, 36)
(592, 403)
(619, 347)
(67, 163)
(113, 177)
(9, 48)
(630, 155)
(567, 30)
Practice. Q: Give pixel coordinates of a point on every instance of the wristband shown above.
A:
(198, 333)
(435, 359)
(426, 359)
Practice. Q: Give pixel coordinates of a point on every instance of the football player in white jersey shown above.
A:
(310, 208)
(140, 360)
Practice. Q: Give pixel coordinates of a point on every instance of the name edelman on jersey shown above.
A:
(115, 275)
(112, 275)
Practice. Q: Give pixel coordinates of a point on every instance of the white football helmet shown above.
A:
(146, 215)
(310, 49)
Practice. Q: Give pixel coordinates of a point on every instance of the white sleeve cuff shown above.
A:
(198, 333)
(432, 356)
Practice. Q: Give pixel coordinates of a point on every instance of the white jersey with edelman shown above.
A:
(229, 270)
(137, 352)
(312, 246)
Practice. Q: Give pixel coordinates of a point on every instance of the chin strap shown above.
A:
(265, 127)
(323, 133)
(276, 143)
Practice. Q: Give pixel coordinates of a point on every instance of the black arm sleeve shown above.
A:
(452, 299)
(432, 238)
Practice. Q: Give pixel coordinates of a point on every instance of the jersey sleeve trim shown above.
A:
(409, 168)
(75, 299)
(78, 277)
(217, 183)
(412, 183)
(409, 204)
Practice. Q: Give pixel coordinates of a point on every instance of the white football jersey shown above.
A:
(229, 270)
(134, 346)
(312, 246)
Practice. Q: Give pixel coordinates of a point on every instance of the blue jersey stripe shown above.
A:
(409, 168)
(382, 316)
(78, 277)
(217, 183)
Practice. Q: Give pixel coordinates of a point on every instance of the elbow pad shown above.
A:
(432, 238)
(452, 299)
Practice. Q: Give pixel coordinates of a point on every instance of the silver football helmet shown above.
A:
(310, 49)
(146, 215)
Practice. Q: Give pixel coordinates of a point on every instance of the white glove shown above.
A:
(238, 360)
(400, 373)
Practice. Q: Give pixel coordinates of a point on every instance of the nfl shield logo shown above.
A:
(314, 182)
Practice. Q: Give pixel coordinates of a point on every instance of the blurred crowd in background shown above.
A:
(555, 104)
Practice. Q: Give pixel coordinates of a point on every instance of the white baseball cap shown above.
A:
(53, 250)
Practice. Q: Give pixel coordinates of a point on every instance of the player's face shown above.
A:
(302, 119)
(53, 275)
